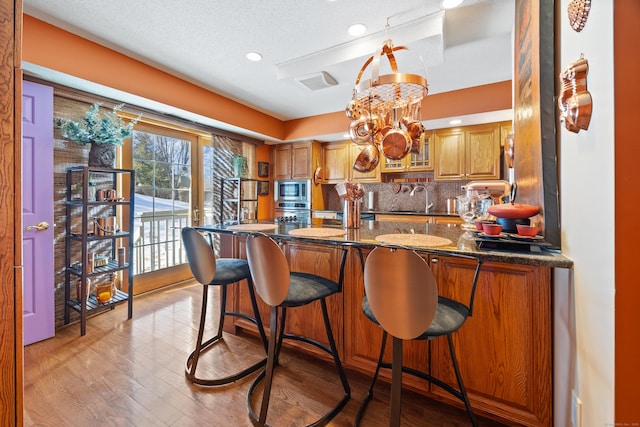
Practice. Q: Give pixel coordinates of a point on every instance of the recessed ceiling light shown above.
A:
(254, 56)
(357, 29)
(450, 4)
(455, 122)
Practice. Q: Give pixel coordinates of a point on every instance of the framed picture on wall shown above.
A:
(263, 188)
(263, 169)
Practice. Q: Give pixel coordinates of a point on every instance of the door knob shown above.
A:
(41, 226)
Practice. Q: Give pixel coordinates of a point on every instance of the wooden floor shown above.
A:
(130, 373)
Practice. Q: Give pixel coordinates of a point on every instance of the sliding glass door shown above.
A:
(167, 198)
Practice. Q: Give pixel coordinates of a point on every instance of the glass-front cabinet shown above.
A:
(422, 161)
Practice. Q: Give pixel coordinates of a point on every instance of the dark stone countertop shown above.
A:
(505, 249)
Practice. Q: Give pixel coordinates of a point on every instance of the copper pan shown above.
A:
(396, 144)
(373, 123)
(357, 131)
(368, 159)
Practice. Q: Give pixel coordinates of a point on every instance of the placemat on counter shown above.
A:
(317, 232)
(252, 227)
(423, 240)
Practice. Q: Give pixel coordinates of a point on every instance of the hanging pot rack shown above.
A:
(387, 104)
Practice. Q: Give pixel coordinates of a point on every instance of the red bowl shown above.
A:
(491, 229)
(527, 230)
(513, 210)
(479, 223)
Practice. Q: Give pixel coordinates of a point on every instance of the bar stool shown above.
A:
(210, 271)
(401, 296)
(282, 289)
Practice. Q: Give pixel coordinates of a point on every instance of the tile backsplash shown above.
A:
(385, 196)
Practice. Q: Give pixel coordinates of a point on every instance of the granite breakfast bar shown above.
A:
(505, 348)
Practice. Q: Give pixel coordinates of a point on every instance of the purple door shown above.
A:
(37, 212)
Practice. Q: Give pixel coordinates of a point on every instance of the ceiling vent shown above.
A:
(317, 81)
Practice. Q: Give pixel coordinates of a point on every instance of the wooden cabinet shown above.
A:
(422, 161)
(322, 260)
(448, 220)
(335, 162)
(338, 160)
(426, 219)
(295, 160)
(467, 153)
(504, 349)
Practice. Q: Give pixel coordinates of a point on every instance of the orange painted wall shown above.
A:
(265, 203)
(48, 46)
(473, 100)
(42, 42)
(626, 35)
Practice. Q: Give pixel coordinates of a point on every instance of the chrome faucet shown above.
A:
(416, 187)
(422, 187)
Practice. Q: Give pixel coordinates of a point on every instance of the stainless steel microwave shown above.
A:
(294, 190)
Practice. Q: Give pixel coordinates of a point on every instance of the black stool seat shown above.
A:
(230, 270)
(217, 272)
(450, 315)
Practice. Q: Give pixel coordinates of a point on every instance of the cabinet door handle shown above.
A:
(434, 260)
(41, 226)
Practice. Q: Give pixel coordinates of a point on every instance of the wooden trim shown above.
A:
(626, 34)
(157, 279)
(10, 216)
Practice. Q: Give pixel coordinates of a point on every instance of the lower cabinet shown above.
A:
(318, 259)
(504, 349)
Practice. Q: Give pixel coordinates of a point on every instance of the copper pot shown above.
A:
(381, 134)
(396, 144)
(357, 131)
(368, 159)
(373, 123)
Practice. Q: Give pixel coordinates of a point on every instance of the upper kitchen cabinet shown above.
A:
(422, 161)
(338, 160)
(468, 153)
(295, 160)
(335, 162)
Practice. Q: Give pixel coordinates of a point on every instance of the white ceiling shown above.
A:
(205, 42)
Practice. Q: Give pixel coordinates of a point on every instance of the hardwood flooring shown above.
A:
(130, 373)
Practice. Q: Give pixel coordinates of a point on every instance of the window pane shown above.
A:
(163, 200)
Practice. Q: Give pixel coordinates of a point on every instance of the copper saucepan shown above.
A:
(396, 144)
(368, 159)
(357, 131)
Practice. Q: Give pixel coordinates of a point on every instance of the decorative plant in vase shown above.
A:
(104, 133)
